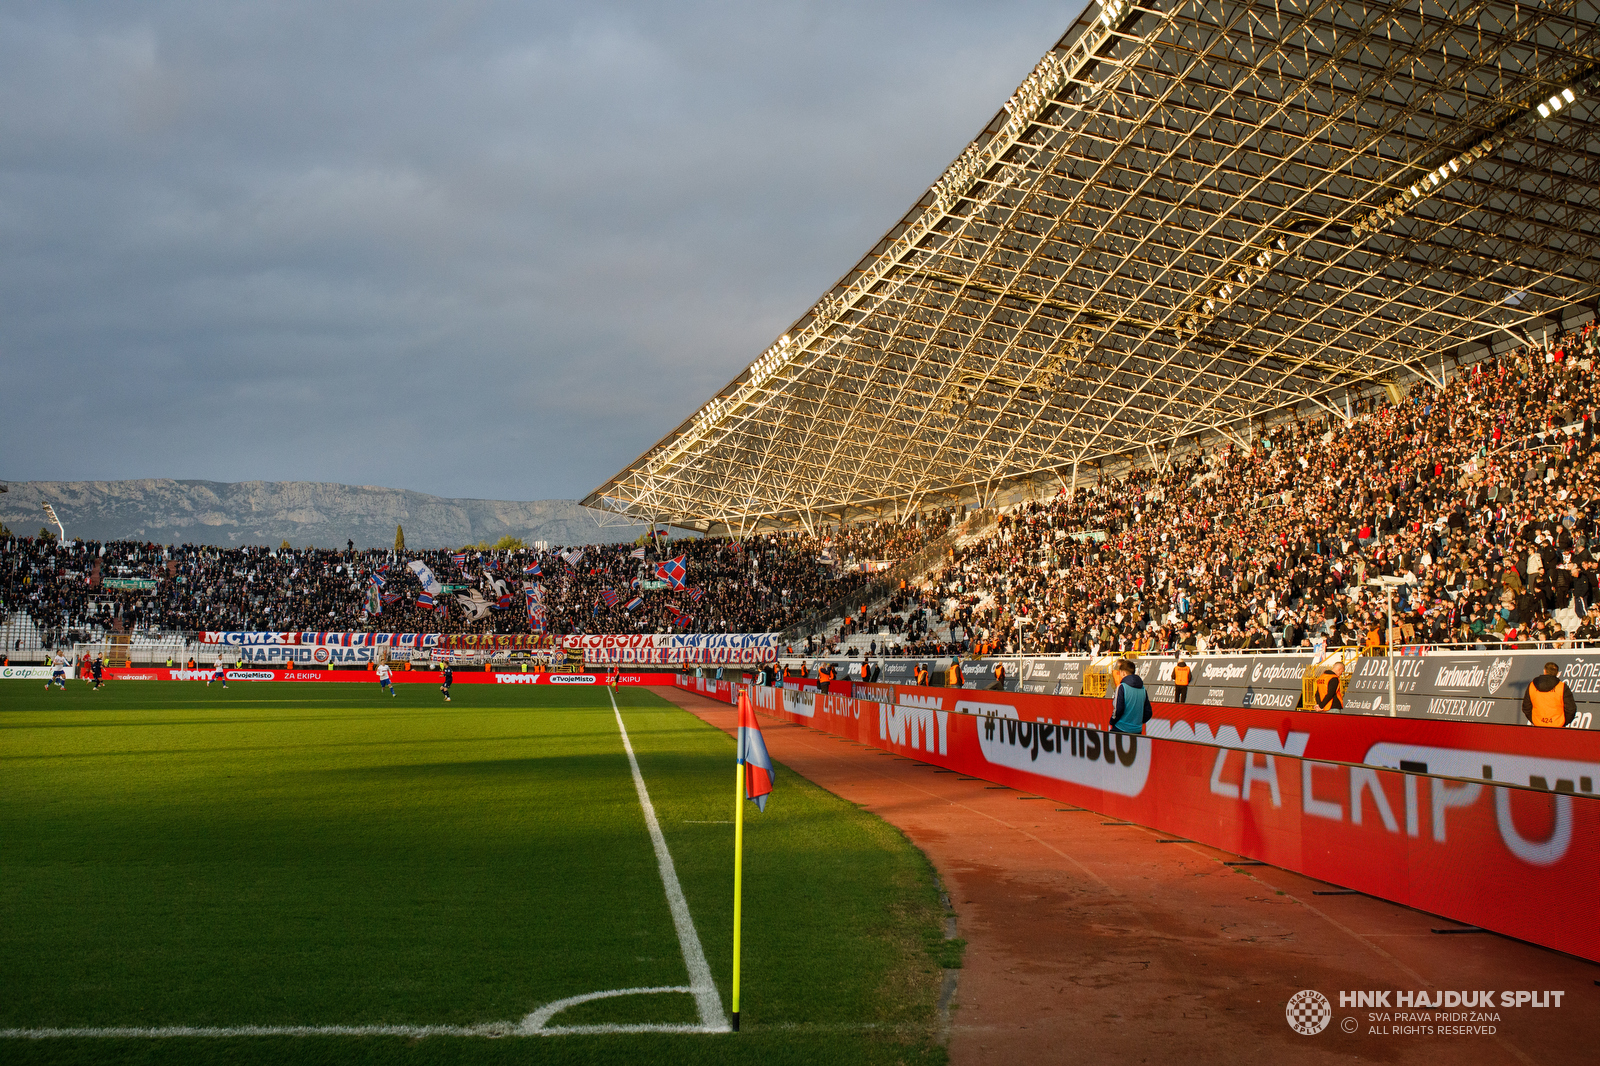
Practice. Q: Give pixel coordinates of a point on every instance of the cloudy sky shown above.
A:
(480, 249)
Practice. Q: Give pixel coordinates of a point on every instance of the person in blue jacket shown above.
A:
(1130, 704)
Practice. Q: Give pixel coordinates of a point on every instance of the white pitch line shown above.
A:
(704, 989)
(536, 1021)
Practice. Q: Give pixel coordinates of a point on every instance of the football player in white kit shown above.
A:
(384, 680)
(58, 673)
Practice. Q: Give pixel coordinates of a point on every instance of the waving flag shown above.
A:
(424, 599)
(430, 584)
(384, 569)
(573, 558)
(611, 597)
(460, 559)
(757, 764)
(375, 580)
(442, 608)
(683, 618)
(631, 604)
(391, 597)
(673, 571)
(503, 603)
(695, 594)
(492, 563)
(531, 570)
(637, 553)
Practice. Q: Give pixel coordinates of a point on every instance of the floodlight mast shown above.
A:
(1388, 584)
(1100, 276)
(50, 513)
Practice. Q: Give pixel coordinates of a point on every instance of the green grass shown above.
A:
(323, 855)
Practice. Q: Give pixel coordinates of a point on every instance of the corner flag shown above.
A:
(754, 776)
(753, 756)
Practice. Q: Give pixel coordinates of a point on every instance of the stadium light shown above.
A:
(1388, 583)
(50, 513)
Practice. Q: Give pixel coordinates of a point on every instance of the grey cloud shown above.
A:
(488, 250)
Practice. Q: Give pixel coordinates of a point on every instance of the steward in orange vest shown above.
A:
(1326, 689)
(1180, 682)
(1548, 701)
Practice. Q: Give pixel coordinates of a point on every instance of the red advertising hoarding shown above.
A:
(1294, 789)
(399, 677)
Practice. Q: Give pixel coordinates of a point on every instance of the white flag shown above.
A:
(430, 584)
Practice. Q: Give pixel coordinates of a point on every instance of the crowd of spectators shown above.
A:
(762, 583)
(1475, 491)
(1477, 494)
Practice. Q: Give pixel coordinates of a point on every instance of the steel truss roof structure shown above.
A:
(1187, 216)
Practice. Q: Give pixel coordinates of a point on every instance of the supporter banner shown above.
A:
(668, 648)
(311, 655)
(292, 639)
(134, 584)
(1401, 836)
(498, 641)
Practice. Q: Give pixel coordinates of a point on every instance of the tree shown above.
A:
(508, 543)
(46, 534)
(284, 546)
(399, 538)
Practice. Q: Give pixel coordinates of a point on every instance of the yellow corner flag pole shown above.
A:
(738, 879)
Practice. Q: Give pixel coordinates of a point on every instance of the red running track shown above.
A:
(1095, 943)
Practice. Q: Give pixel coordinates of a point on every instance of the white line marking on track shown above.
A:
(701, 985)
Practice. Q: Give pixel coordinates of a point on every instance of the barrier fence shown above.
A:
(1376, 804)
(1438, 685)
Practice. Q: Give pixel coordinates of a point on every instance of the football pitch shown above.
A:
(322, 873)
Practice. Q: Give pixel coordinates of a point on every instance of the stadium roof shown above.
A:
(1190, 215)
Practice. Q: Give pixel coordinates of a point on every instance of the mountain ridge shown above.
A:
(320, 513)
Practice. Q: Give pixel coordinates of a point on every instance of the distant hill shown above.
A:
(301, 512)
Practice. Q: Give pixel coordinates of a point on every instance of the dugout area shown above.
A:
(278, 863)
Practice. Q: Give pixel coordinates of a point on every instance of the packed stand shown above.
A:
(764, 583)
(1479, 496)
